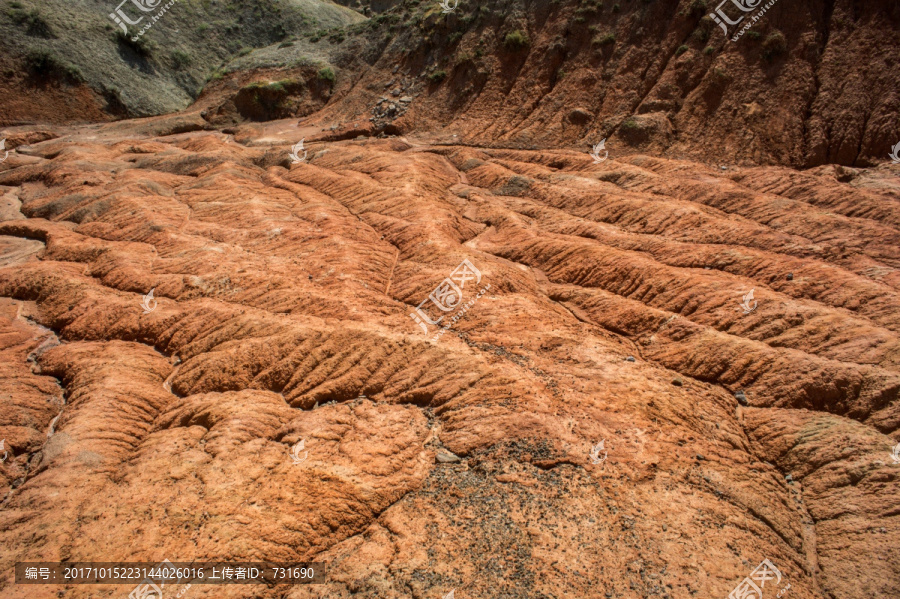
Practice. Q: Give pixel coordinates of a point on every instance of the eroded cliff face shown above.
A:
(809, 84)
(604, 302)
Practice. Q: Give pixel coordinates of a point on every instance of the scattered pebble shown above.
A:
(741, 397)
(790, 276)
(678, 382)
(446, 457)
(629, 359)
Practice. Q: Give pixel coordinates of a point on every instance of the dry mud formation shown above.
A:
(656, 370)
(281, 312)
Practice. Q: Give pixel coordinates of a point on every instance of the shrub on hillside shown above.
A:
(604, 40)
(34, 22)
(139, 45)
(42, 63)
(180, 59)
(516, 40)
(327, 74)
(774, 46)
(697, 8)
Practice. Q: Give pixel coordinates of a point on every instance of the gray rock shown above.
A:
(445, 457)
(741, 397)
(629, 359)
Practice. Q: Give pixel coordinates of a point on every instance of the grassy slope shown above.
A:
(64, 42)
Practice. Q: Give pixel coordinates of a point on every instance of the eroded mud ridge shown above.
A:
(617, 309)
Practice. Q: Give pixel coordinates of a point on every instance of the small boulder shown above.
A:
(741, 397)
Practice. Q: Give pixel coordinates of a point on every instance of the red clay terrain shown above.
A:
(441, 347)
(281, 312)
